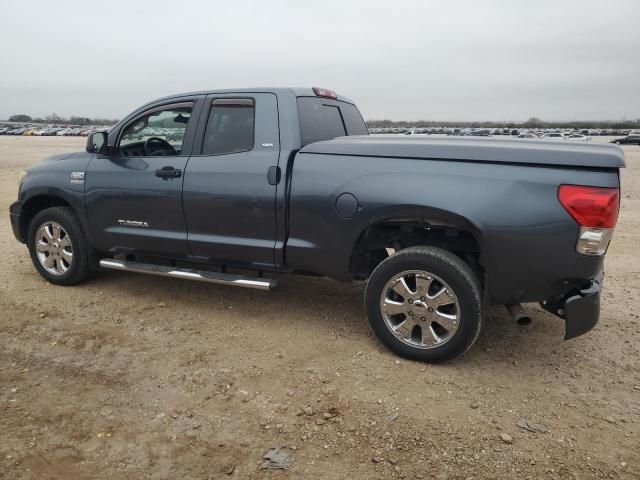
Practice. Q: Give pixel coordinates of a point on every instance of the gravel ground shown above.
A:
(130, 376)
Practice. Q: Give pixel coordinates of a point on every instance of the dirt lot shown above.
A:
(130, 376)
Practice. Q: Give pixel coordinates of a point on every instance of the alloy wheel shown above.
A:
(53, 248)
(420, 309)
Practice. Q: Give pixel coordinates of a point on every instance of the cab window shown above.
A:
(159, 133)
(322, 119)
(230, 126)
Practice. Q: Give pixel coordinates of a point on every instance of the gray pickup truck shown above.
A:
(238, 186)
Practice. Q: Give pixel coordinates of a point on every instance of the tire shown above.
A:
(444, 301)
(65, 268)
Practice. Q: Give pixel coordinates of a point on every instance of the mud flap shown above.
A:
(579, 308)
(582, 311)
(15, 211)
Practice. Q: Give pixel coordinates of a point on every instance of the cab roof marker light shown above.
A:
(324, 92)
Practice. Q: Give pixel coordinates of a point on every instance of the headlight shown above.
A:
(21, 177)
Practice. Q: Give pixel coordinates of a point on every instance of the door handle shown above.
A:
(273, 175)
(168, 172)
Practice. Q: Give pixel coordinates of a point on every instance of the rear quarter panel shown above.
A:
(526, 237)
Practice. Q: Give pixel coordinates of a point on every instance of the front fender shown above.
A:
(52, 179)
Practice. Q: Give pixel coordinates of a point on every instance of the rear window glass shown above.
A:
(321, 119)
(230, 127)
(353, 120)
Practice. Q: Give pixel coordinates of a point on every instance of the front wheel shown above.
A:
(424, 303)
(58, 247)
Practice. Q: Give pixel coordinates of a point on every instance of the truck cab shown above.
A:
(200, 176)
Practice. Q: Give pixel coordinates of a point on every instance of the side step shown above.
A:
(200, 275)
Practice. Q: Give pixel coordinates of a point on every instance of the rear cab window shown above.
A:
(230, 126)
(325, 119)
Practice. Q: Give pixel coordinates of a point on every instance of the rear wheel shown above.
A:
(424, 303)
(58, 247)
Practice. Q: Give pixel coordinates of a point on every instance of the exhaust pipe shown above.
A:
(518, 314)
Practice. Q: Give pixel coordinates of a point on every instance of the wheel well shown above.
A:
(34, 205)
(381, 240)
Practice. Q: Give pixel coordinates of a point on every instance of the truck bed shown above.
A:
(470, 149)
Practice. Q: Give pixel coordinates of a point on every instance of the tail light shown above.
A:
(595, 209)
(323, 92)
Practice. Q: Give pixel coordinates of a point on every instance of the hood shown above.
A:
(62, 156)
(63, 162)
(488, 150)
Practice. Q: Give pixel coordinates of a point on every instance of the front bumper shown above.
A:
(580, 308)
(15, 211)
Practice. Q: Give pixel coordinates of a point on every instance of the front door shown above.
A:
(228, 194)
(134, 196)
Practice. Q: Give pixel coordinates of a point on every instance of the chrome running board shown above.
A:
(199, 275)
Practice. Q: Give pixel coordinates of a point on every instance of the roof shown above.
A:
(295, 91)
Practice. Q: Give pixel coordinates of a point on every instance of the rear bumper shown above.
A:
(580, 308)
(15, 211)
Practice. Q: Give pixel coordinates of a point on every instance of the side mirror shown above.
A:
(97, 142)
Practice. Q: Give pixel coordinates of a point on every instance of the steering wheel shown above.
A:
(158, 146)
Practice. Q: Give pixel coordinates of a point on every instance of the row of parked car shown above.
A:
(573, 137)
(569, 135)
(42, 131)
(584, 135)
(464, 131)
(632, 138)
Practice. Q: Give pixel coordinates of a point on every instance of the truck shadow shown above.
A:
(323, 306)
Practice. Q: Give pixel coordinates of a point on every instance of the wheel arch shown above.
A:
(39, 201)
(434, 227)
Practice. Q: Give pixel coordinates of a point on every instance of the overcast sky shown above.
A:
(413, 59)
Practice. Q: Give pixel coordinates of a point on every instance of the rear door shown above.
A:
(230, 181)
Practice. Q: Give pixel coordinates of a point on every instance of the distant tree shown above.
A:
(102, 121)
(79, 121)
(533, 122)
(54, 118)
(20, 118)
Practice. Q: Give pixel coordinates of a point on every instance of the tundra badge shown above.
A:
(133, 223)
